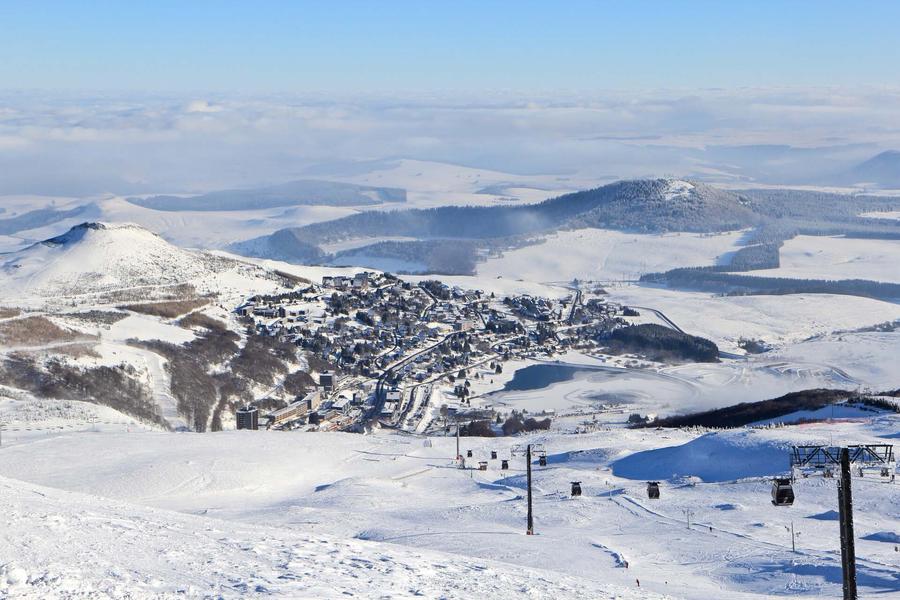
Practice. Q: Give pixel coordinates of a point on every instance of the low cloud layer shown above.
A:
(79, 145)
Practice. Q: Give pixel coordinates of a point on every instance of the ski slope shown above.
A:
(258, 511)
(59, 544)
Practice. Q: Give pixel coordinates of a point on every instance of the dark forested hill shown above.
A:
(641, 205)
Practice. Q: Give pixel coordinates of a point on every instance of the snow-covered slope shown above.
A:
(58, 544)
(604, 255)
(95, 257)
(819, 257)
(109, 263)
(429, 183)
(284, 514)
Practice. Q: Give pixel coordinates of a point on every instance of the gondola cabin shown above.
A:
(782, 492)
(653, 490)
(504, 464)
(576, 488)
(542, 459)
(482, 466)
(493, 455)
(468, 454)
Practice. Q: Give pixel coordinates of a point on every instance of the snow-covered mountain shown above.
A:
(651, 205)
(97, 257)
(643, 205)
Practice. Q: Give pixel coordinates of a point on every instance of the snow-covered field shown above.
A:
(429, 184)
(817, 257)
(603, 255)
(772, 319)
(318, 515)
(219, 229)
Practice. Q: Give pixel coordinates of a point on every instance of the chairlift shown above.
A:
(482, 465)
(468, 454)
(782, 492)
(653, 490)
(576, 488)
(504, 464)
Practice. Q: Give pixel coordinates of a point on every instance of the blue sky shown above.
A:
(266, 47)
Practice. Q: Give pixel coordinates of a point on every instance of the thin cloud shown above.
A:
(191, 144)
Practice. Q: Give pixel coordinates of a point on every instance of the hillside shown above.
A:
(644, 205)
(94, 547)
(44, 216)
(655, 205)
(295, 193)
(100, 257)
(882, 170)
(284, 244)
(387, 515)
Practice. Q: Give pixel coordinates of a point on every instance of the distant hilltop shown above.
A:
(295, 193)
(95, 257)
(645, 205)
(882, 170)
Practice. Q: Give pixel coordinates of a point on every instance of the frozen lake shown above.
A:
(564, 387)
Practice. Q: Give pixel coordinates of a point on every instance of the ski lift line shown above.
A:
(679, 523)
(763, 544)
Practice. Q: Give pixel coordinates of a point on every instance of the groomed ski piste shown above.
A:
(117, 510)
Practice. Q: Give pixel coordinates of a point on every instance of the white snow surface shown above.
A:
(820, 257)
(125, 260)
(603, 255)
(884, 214)
(772, 319)
(58, 544)
(677, 188)
(147, 514)
(95, 505)
(428, 184)
(97, 257)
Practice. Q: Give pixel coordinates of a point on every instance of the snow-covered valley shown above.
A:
(103, 500)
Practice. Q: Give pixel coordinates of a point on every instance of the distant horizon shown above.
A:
(70, 143)
(170, 96)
